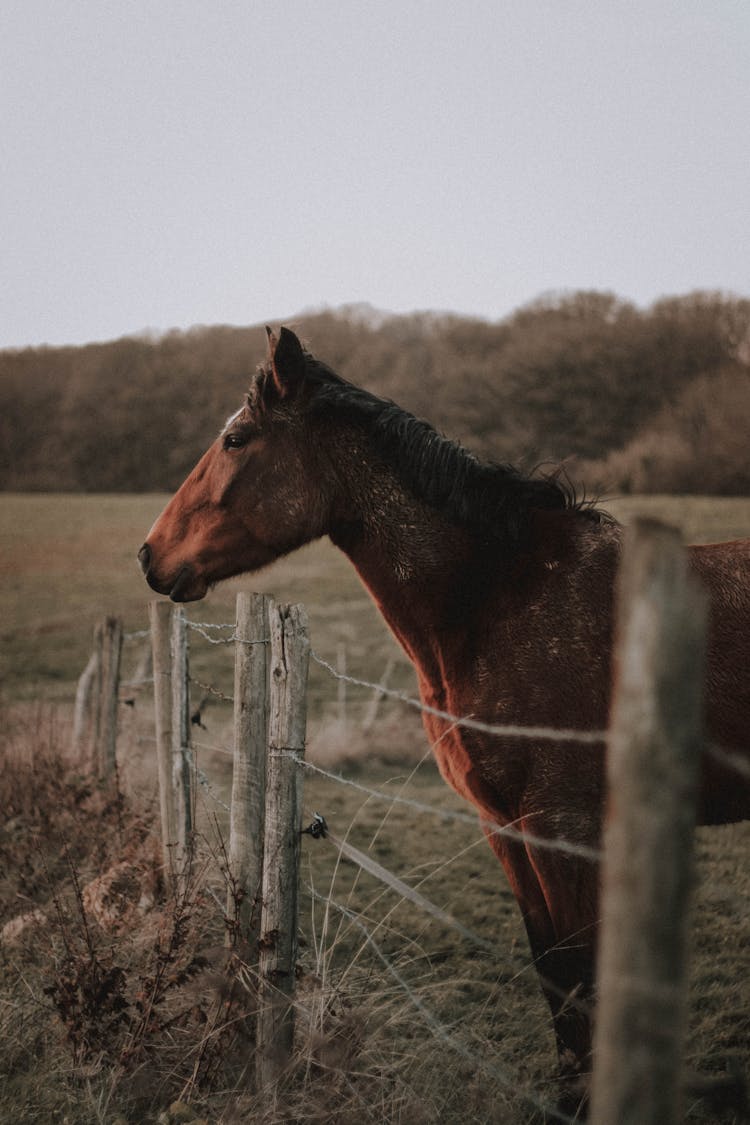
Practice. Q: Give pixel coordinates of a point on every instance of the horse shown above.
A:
(499, 586)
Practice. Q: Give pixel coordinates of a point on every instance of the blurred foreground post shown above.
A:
(290, 650)
(653, 754)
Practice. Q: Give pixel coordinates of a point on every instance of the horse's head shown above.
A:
(252, 497)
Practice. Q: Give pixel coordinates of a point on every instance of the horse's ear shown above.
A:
(287, 362)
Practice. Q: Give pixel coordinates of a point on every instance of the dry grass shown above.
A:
(116, 1003)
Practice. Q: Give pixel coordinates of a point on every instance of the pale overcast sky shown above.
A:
(172, 162)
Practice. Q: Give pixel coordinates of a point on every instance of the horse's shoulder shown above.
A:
(732, 552)
(724, 571)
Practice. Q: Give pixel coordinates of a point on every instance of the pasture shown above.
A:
(67, 560)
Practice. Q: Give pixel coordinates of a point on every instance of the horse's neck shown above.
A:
(413, 563)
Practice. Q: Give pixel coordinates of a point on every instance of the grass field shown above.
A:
(66, 560)
(370, 1053)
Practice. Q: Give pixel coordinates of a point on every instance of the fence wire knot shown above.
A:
(317, 829)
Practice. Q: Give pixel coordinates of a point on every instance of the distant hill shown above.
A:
(627, 399)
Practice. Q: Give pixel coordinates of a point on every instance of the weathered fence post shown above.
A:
(653, 753)
(172, 718)
(290, 649)
(248, 808)
(111, 653)
(97, 698)
(83, 715)
(182, 766)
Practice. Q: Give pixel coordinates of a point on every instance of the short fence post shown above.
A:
(108, 703)
(171, 790)
(83, 714)
(97, 700)
(653, 753)
(248, 806)
(290, 649)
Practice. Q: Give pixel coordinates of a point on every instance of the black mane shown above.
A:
(493, 501)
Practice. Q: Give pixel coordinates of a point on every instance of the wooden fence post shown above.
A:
(160, 615)
(248, 807)
(97, 700)
(182, 766)
(169, 741)
(653, 754)
(83, 715)
(108, 703)
(290, 649)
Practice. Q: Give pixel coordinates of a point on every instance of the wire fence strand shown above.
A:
(490, 827)
(731, 759)
(504, 730)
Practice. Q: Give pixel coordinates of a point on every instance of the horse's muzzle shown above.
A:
(185, 586)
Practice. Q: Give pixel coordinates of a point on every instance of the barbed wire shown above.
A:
(730, 759)
(506, 730)
(202, 628)
(217, 693)
(581, 851)
(138, 635)
(490, 827)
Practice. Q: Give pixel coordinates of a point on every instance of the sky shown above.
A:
(168, 163)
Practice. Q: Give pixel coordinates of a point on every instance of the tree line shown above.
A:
(654, 400)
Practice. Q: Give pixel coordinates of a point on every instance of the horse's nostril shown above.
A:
(144, 558)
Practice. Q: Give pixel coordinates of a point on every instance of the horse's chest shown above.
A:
(489, 781)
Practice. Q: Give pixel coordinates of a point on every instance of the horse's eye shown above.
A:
(235, 440)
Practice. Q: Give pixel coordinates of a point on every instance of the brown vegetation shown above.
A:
(647, 400)
(399, 1018)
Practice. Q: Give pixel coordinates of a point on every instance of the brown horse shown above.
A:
(500, 589)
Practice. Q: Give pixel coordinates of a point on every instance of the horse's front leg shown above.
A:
(567, 964)
(566, 978)
(563, 952)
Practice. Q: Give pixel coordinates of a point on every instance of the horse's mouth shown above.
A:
(186, 587)
(181, 591)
